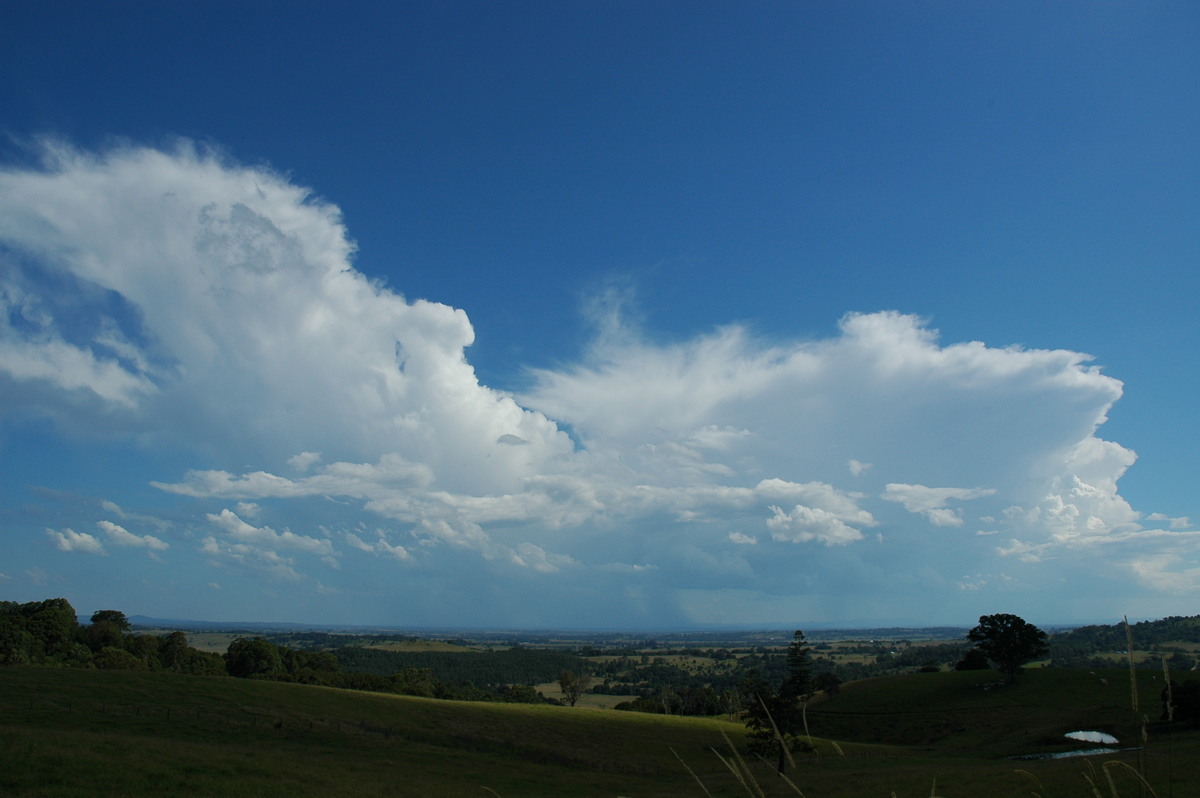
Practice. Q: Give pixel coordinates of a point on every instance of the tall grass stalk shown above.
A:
(1133, 689)
(1145, 721)
(783, 746)
(1109, 767)
(691, 772)
(807, 733)
(1034, 779)
(1114, 765)
(1170, 693)
(783, 776)
(742, 772)
(1170, 712)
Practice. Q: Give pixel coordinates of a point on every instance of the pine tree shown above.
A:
(775, 718)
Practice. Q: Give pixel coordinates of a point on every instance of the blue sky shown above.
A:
(600, 314)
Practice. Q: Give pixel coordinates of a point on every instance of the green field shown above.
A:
(67, 732)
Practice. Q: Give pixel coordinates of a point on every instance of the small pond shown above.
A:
(1092, 737)
(1083, 737)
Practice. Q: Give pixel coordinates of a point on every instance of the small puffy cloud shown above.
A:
(857, 468)
(717, 438)
(304, 460)
(238, 530)
(742, 539)
(70, 540)
(1025, 552)
(931, 502)
(803, 524)
(380, 546)
(529, 555)
(248, 509)
(1182, 522)
(274, 564)
(123, 537)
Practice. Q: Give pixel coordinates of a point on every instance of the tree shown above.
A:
(117, 659)
(257, 657)
(174, 651)
(1008, 641)
(1181, 702)
(573, 685)
(51, 628)
(829, 683)
(972, 660)
(114, 617)
(775, 718)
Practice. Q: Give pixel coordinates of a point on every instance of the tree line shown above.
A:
(48, 633)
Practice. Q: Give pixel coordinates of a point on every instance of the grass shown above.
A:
(88, 733)
(963, 711)
(420, 645)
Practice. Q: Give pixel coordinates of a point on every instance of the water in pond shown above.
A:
(1083, 737)
(1092, 737)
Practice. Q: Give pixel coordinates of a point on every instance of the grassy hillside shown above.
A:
(973, 710)
(86, 733)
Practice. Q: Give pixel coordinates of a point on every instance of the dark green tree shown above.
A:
(1181, 702)
(16, 643)
(52, 628)
(573, 685)
(414, 681)
(114, 617)
(775, 717)
(972, 660)
(112, 658)
(828, 683)
(174, 651)
(256, 657)
(798, 683)
(1008, 641)
(107, 630)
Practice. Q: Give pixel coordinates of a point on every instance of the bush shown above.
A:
(111, 658)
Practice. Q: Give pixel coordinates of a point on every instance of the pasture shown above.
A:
(86, 733)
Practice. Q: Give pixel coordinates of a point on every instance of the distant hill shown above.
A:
(1174, 629)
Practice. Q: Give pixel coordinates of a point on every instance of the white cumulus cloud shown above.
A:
(123, 537)
(70, 540)
(192, 305)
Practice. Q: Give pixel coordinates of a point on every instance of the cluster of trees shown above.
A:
(1086, 646)
(702, 701)
(485, 669)
(257, 658)
(49, 633)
